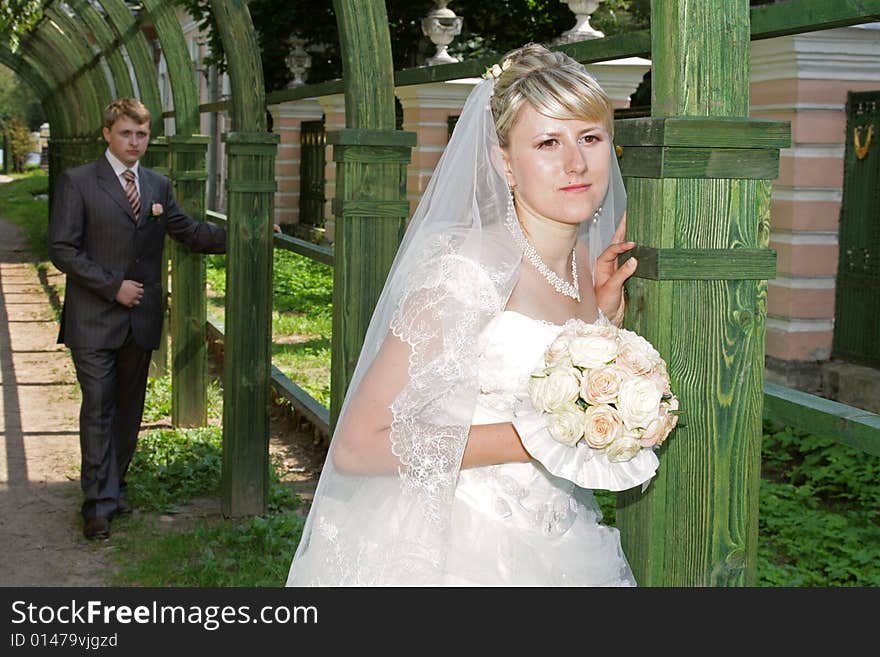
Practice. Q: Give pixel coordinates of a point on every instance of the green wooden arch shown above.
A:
(105, 40)
(128, 34)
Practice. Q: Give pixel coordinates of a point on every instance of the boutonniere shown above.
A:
(156, 211)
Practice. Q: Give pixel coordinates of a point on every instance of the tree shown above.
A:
(19, 100)
(17, 17)
(18, 140)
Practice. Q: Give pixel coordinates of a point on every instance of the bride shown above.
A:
(427, 480)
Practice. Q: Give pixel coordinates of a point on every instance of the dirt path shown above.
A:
(40, 527)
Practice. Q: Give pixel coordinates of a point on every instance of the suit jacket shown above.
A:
(94, 239)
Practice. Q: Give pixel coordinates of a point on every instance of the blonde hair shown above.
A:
(130, 107)
(553, 83)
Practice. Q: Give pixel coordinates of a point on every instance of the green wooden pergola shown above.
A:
(698, 174)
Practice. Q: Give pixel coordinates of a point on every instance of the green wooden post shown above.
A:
(157, 158)
(189, 371)
(189, 366)
(700, 214)
(250, 183)
(370, 204)
(251, 187)
(371, 209)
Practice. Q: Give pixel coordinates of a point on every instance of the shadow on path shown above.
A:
(40, 527)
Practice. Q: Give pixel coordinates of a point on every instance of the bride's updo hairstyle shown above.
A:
(556, 86)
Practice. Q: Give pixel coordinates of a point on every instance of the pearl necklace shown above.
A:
(561, 286)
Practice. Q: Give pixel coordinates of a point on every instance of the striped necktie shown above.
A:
(132, 193)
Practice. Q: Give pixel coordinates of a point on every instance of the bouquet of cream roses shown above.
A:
(607, 387)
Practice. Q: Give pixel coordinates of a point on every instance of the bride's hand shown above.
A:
(610, 278)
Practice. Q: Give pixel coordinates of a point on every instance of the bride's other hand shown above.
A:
(610, 277)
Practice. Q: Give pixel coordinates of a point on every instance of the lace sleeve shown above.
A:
(439, 317)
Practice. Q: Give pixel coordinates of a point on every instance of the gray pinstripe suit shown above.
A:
(94, 239)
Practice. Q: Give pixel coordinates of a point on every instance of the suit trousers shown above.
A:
(113, 384)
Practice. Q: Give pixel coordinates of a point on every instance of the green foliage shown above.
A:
(17, 139)
(17, 17)
(302, 318)
(158, 402)
(23, 203)
(819, 511)
(301, 284)
(19, 100)
(252, 552)
(171, 466)
(819, 507)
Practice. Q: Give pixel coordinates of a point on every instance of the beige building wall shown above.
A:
(286, 121)
(804, 79)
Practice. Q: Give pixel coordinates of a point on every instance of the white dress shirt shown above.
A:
(119, 168)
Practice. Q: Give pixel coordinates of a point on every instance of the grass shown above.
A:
(175, 468)
(819, 501)
(158, 403)
(18, 203)
(172, 468)
(302, 317)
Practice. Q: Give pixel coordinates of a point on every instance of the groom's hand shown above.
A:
(130, 293)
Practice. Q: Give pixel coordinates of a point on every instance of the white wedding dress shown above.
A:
(512, 525)
(516, 524)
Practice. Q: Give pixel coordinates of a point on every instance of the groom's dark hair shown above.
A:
(130, 107)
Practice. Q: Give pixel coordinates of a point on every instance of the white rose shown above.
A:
(661, 378)
(622, 449)
(638, 401)
(655, 433)
(592, 351)
(557, 352)
(603, 426)
(636, 354)
(557, 388)
(601, 385)
(566, 425)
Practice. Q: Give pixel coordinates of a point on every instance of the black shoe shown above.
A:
(97, 528)
(122, 507)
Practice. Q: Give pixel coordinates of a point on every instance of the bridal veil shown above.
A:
(454, 271)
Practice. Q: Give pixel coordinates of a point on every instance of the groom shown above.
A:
(106, 232)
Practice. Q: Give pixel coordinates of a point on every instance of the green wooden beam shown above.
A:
(678, 162)
(703, 132)
(798, 16)
(824, 418)
(310, 250)
(302, 402)
(702, 264)
(59, 47)
(34, 55)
